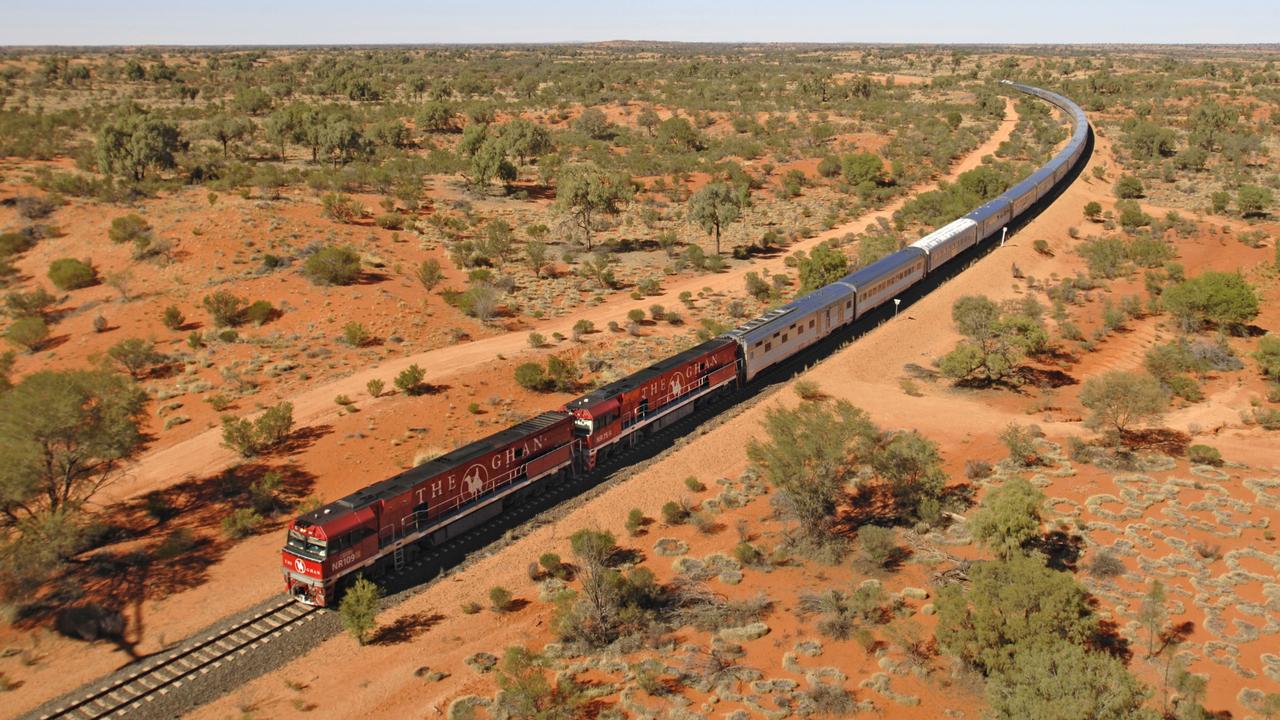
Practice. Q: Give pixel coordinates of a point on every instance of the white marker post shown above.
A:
(896, 303)
(1004, 233)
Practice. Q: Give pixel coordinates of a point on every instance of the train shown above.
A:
(384, 525)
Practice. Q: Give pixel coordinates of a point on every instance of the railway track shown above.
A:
(169, 670)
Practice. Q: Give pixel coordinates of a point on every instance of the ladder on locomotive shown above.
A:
(397, 558)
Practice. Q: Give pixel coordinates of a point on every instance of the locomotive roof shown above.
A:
(401, 483)
(637, 379)
(882, 267)
(764, 325)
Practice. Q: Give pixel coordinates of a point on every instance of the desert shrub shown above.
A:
(332, 265)
(553, 565)
(100, 324)
(13, 243)
(674, 513)
(1128, 187)
(1222, 298)
(359, 608)
(28, 333)
(341, 208)
(410, 380)
(1042, 246)
(1268, 356)
(694, 484)
(635, 522)
(129, 228)
(582, 328)
(375, 387)
(225, 308)
(531, 376)
(500, 599)
(536, 340)
(173, 317)
(135, 355)
(259, 312)
(877, 546)
(269, 430)
(748, 554)
(241, 523)
(977, 469)
(808, 390)
(72, 274)
(354, 334)
(1104, 564)
(1092, 211)
(1022, 446)
(1204, 455)
(471, 607)
(429, 273)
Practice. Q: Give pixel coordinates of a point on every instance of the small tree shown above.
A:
(1059, 679)
(1092, 211)
(1009, 517)
(1253, 200)
(1119, 400)
(715, 206)
(135, 355)
(333, 265)
(585, 191)
(910, 463)
(1222, 298)
(1153, 613)
(359, 608)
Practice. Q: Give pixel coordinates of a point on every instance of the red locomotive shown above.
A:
(380, 525)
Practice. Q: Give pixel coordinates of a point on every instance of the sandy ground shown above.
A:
(867, 374)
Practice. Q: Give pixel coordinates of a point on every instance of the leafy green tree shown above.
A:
(585, 191)
(996, 340)
(715, 206)
(133, 142)
(862, 169)
(1008, 603)
(910, 464)
(526, 139)
(1009, 517)
(1152, 613)
(649, 120)
(333, 265)
(1118, 400)
(135, 355)
(226, 129)
(1092, 211)
(359, 608)
(1148, 141)
(593, 123)
(436, 117)
(810, 454)
(823, 265)
(62, 436)
(1253, 200)
(1059, 680)
(680, 132)
(1222, 298)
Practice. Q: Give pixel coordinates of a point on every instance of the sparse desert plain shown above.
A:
(249, 282)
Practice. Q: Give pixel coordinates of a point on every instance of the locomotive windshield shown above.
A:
(309, 547)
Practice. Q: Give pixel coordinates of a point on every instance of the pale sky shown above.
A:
(329, 22)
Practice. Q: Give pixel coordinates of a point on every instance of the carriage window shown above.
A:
(768, 347)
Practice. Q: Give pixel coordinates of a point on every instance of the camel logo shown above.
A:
(301, 566)
(675, 386)
(474, 479)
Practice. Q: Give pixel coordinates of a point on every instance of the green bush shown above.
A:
(72, 274)
(173, 317)
(531, 376)
(333, 265)
(410, 380)
(500, 599)
(28, 333)
(241, 523)
(12, 243)
(354, 334)
(129, 228)
(694, 484)
(259, 312)
(225, 307)
(359, 608)
(673, 513)
(635, 522)
(1204, 455)
(1128, 187)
